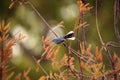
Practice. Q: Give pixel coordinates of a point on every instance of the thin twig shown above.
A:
(83, 32)
(1, 61)
(1, 55)
(116, 16)
(38, 13)
(33, 58)
(78, 42)
(82, 57)
(101, 40)
(81, 20)
(113, 44)
(40, 66)
(105, 46)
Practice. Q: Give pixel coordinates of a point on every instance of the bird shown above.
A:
(69, 36)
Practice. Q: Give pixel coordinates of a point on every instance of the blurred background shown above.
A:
(26, 21)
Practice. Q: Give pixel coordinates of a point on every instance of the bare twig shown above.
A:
(1, 54)
(105, 46)
(78, 42)
(29, 3)
(97, 26)
(82, 57)
(81, 20)
(101, 40)
(116, 16)
(41, 66)
(113, 44)
(1, 59)
(83, 33)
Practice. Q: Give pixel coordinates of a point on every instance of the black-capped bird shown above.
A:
(69, 35)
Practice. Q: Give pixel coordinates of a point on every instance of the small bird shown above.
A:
(69, 35)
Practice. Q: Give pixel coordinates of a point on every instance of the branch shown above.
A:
(116, 16)
(113, 44)
(97, 26)
(101, 40)
(35, 60)
(105, 46)
(38, 13)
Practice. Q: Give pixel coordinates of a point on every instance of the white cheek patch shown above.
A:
(72, 38)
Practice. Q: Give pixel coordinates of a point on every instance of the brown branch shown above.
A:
(105, 46)
(97, 26)
(101, 40)
(31, 56)
(113, 44)
(116, 16)
(78, 42)
(38, 13)
(1, 61)
(81, 20)
(113, 72)
(83, 34)
(1, 55)
(83, 38)
(35, 60)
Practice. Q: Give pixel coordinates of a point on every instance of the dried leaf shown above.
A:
(96, 50)
(84, 24)
(2, 24)
(7, 70)
(25, 74)
(13, 2)
(43, 78)
(82, 48)
(59, 25)
(18, 77)
(7, 27)
(11, 5)
(27, 78)
(5, 37)
(83, 7)
(82, 64)
(100, 57)
(21, 37)
(1, 40)
(115, 57)
(56, 52)
(88, 49)
(38, 63)
(10, 76)
(72, 63)
(64, 60)
(49, 53)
